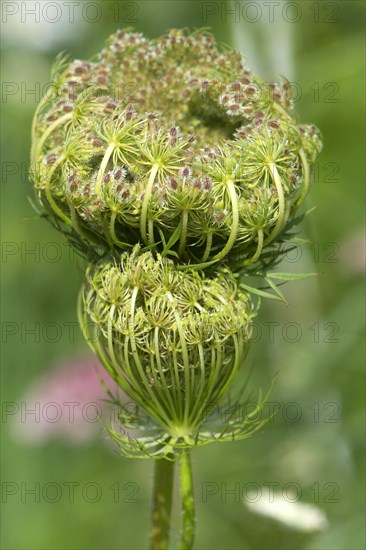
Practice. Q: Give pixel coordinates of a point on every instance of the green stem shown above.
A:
(145, 204)
(281, 203)
(259, 248)
(201, 387)
(188, 508)
(170, 403)
(150, 225)
(208, 246)
(161, 412)
(235, 221)
(187, 369)
(183, 235)
(112, 229)
(38, 147)
(306, 169)
(42, 103)
(162, 504)
(222, 384)
(57, 210)
(103, 166)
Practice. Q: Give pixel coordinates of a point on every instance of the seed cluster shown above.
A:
(170, 338)
(173, 170)
(173, 141)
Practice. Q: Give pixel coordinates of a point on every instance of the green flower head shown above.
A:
(171, 140)
(172, 339)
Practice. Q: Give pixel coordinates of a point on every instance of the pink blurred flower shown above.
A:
(65, 402)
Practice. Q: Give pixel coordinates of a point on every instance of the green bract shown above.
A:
(172, 340)
(173, 143)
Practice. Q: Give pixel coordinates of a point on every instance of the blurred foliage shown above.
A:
(321, 372)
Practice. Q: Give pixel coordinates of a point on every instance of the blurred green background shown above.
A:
(316, 442)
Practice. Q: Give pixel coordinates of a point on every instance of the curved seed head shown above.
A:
(170, 140)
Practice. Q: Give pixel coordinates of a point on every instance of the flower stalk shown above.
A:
(188, 506)
(162, 504)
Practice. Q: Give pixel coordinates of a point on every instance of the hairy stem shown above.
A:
(162, 414)
(47, 97)
(235, 221)
(188, 508)
(112, 227)
(281, 203)
(145, 204)
(38, 146)
(183, 235)
(187, 396)
(306, 171)
(103, 166)
(57, 210)
(208, 246)
(162, 504)
(259, 247)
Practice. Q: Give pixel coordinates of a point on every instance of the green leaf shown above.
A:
(196, 266)
(276, 289)
(148, 247)
(172, 253)
(173, 239)
(259, 292)
(35, 206)
(291, 276)
(36, 217)
(310, 210)
(299, 240)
